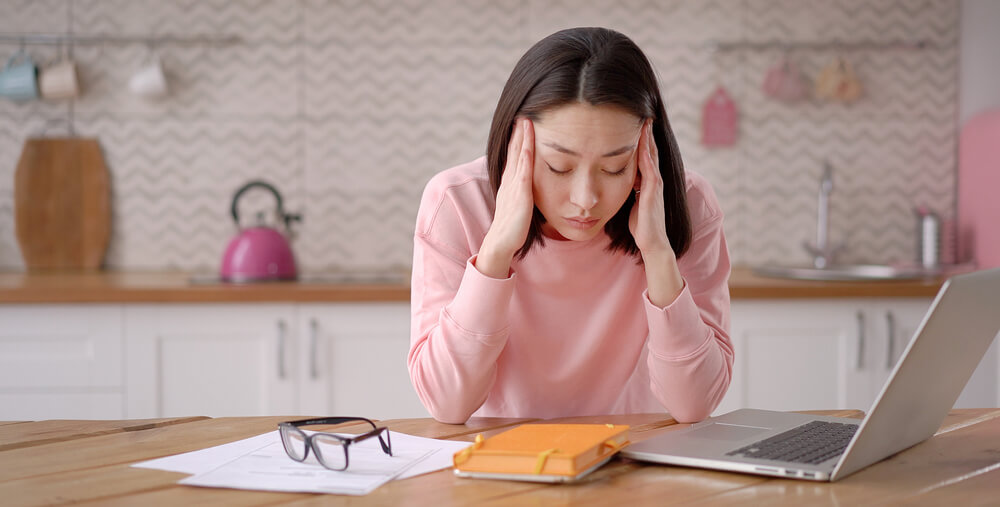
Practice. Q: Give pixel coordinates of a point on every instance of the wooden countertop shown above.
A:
(57, 462)
(744, 284)
(177, 287)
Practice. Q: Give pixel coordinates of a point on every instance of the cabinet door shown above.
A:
(900, 320)
(894, 323)
(354, 361)
(61, 362)
(213, 360)
(798, 356)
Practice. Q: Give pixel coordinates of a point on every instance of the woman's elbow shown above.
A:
(447, 417)
(691, 414)
(443, 411)
(447, 413)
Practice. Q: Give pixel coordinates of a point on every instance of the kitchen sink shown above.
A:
(848, 272)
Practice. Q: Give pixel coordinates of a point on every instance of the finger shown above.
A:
(640, 147)
(528, 148)
(516, 139)
(513, 152)
(654, 151)
(652, 174)
(645, 162)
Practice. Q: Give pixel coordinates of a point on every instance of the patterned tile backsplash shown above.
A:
(349, 106)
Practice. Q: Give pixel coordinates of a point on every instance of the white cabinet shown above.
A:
(829, 353)
(796, 356)
(163, 360)
(244, 360)
(61, 362)
(355, 360)
(211, 359)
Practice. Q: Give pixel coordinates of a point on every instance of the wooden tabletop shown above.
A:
(179, 287)
(55, 462)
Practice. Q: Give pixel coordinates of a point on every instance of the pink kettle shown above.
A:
(259, 253)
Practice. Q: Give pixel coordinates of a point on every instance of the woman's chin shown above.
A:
(570, 234)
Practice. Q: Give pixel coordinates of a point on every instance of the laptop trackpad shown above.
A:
(721, 431)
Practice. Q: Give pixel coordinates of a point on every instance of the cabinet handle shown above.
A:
(860, 362)
(313, 345)
(890, 321)
(281, 349)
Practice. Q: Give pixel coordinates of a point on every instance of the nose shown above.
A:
(583, 192)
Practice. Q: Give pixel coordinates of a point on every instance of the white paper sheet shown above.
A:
(205, 460)
(260, 463)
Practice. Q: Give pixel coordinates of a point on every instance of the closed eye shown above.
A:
(553, 169)
(567, 171)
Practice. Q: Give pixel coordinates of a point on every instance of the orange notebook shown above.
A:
(542, 452)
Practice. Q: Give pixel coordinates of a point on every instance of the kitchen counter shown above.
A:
(179, 287)
(56, 462)
(744, 284)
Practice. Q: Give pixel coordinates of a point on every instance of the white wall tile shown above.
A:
(349, 106)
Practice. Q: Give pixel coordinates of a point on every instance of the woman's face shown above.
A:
(585, 167)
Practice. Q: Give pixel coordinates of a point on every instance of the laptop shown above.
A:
(938, 362)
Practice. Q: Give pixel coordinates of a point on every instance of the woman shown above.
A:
(576, 269)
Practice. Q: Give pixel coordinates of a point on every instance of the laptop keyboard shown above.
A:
(813, 443)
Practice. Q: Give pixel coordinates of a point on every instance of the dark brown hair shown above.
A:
(594, 66)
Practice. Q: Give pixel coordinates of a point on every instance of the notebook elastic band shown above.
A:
(464, 454)
(542, 457)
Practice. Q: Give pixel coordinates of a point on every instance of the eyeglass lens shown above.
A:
(330, 451)
(294, 442)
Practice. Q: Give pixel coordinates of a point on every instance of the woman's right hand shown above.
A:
(515, 204)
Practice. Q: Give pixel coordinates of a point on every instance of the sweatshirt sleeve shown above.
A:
(691, 354)
(459, 316)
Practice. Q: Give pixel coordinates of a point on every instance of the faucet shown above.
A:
(823, 253)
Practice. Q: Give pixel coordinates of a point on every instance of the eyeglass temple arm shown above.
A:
(376, 432)
(330, 420)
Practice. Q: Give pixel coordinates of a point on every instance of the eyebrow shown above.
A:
(612, 153)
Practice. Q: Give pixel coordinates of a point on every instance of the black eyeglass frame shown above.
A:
(344, 441)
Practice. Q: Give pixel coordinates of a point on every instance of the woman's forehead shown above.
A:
(583, 129)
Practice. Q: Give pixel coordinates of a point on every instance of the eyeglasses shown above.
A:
(330, 449)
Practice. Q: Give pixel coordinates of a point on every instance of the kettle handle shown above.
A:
(262, 184)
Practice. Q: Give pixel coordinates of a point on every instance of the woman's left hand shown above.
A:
(647, 220)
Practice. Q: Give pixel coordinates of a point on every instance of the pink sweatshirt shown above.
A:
(572, 331)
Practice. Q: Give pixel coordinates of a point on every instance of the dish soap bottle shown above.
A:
(928, 238)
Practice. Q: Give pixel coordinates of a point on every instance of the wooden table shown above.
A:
(53, 462)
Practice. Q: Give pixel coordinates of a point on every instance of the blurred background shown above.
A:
(348, 107)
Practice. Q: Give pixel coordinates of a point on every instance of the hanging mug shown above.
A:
(149, 81)
(19, 77)
(59, 81)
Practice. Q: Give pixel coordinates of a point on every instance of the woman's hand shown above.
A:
(515, 205)
(647, 223)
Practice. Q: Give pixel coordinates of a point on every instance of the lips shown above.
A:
(582, 223)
